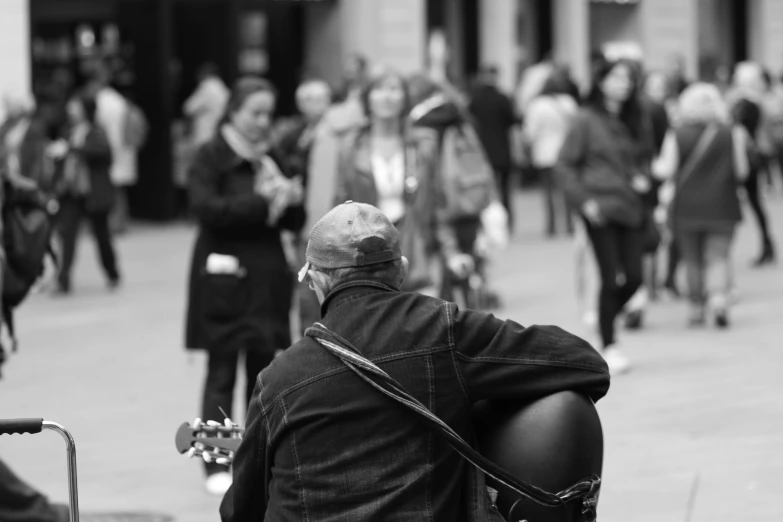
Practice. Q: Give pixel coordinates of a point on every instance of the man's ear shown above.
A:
(405, 266)
(319, 279)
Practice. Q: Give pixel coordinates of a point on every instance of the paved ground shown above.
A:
(702, 411)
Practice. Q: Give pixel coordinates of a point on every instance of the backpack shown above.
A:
(28, 224)
(135, 127)
(468, 178)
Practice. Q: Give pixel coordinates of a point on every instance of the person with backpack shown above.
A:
(126, 129)
(546, 124)
(86, 189)
(467, 177)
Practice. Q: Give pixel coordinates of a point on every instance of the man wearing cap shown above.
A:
(322, 444)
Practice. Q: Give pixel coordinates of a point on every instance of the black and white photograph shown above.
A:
(391, 260)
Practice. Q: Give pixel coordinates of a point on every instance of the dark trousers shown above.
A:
(21, 503)
(618, 252)
(556, 207)
(72, 212)
(753, 188)
(503, 179)
(219, 386)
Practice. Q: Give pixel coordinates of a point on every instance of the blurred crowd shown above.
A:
(645, 170)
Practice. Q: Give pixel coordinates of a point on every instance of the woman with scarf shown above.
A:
(240, 280)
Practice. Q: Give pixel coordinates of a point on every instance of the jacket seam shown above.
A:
(454, 354)
(430, 466)
(302, 494)
(264, 412)
(537, 362)
(329, 373)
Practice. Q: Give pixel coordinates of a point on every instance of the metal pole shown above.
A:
(70, 446)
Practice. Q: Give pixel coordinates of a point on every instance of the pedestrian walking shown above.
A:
(706, 156)
(86, 190)
(494, 117)
(746, 102)
(546, 124)
(604, 170)
(241, 286)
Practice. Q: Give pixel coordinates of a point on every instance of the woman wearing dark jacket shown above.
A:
(240, 280)
(604, 170)
(85, 190)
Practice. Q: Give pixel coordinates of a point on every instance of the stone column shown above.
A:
(766, 34)
(572, 37)
(388, 32)
(15, 74)
(670, 28)
(498, 39)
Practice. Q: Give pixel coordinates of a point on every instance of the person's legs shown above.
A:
(68, 221)
(631, 250)
(605, 243)
(692, 251)
(717, 247)
(753, 189)
(99, 222)
(548, 182)
(673, 260)
(219, 391)
(503, 178)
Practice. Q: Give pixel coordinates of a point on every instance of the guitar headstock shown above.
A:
(212, 441)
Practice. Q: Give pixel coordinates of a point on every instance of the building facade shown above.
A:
(157, 46)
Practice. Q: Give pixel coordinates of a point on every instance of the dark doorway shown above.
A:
(545, 29)
(739, 18)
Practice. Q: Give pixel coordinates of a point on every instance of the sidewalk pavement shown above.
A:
(699, 420)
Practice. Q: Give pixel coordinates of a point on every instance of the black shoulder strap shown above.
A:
(586, 489)
(705, 140)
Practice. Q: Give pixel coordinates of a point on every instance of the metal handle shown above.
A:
(70, 446)
(20, 426)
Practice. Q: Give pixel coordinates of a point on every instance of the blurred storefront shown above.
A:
(154, 48)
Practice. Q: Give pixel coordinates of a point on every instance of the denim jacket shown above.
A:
(322, 445)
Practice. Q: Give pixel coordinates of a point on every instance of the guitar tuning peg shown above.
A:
(229, 423)
(223, 461)
(214, 424)
(191, 453)
(199, 446)
(196, 423)
(207, 457)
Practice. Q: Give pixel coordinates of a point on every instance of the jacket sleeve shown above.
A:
(501, 360)
(217, 211)
(246, 500)
(569, 163)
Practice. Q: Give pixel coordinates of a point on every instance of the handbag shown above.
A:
(586, 490)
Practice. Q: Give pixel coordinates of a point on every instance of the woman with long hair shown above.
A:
(241, 283)
(706, 157)
(393, 166)
(603, 168)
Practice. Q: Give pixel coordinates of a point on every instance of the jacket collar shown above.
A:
(350, 289)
